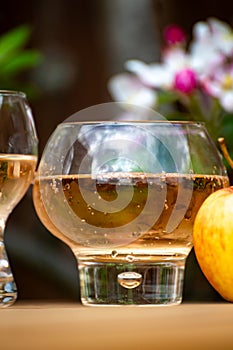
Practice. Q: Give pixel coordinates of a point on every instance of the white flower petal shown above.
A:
(201, 31)
(218, 27)
(213, 88)
(144, 97)
(127, 88)
(226, 101)
(175, 59)
(160, 76)
(154, 75)
(137, 67)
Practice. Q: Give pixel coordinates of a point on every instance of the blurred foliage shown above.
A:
(16, 60)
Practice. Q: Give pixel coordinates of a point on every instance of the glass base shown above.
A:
(8, 293)
(143, 284)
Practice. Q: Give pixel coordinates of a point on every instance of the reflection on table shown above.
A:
(72, 326)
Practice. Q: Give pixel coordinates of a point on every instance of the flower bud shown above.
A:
(185, 81)
(173, 35)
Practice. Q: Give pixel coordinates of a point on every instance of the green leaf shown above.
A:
(178, 116)
(167, 97)
(24, 60)
(12, 41)
(226, 131)
(29, 88)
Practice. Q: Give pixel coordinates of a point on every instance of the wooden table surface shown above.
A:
(72, 326)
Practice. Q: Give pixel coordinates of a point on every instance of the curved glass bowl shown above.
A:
(123, 196)
(18, 159)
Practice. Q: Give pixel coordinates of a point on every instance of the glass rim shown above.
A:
(134, 122)
(12, 93)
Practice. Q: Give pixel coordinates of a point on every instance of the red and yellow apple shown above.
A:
(213, 240)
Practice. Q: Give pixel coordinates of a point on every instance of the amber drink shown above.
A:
(18, 158)
(124, 196)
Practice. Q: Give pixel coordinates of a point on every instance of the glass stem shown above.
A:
(8, 291)
(4, 264)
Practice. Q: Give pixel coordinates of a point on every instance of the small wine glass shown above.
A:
(123, 195)
(18, 159)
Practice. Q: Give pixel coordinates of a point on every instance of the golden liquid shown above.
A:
(156, 234)
(16, 174)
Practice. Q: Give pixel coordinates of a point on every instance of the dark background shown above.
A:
(85, 42)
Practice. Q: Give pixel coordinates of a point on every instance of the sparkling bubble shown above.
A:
(188, 214)
(114, 254)
(129, 279)
(135, 234)
(129, 258)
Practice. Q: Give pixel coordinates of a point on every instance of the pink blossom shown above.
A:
(174, 34)
(127, 88)
(160, 75)
(220, 86)
(206, 63)
(185, 81)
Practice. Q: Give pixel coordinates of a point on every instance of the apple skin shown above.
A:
(213, 241)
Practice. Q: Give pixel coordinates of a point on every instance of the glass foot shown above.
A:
(131, 284)
(8, 293)
(8, 289)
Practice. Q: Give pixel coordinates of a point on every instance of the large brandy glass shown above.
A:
(124, 195)
(18, 158)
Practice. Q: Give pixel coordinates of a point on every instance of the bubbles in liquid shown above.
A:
(188, 214)
(129, 258)
(163, 176)
(114, 254)
(54, 186)
(136, 234)
(129, 279)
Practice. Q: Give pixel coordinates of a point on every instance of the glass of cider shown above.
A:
(124, 195)
(18, 159)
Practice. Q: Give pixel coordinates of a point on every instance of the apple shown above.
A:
(213, 240)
